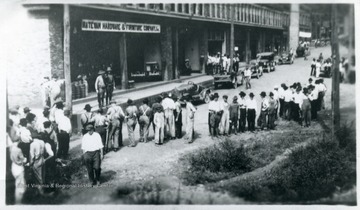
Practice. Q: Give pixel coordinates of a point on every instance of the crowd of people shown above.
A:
(297, 102)
(36, 145)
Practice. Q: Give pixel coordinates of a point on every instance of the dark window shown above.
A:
(180, 9)
(186, 9)
(161, 6)
(172, 7)
(141, 5)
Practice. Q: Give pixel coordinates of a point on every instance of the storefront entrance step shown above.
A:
(137, 88)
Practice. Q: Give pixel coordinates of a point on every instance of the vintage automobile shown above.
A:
(255, 69)
(286, 58)
(197, 93)
(233, 78)
(266, 61)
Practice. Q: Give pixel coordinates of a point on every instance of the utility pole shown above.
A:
(335, 93)
(67, 75)
(232, 14)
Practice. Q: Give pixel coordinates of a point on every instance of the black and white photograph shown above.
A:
(179, 104)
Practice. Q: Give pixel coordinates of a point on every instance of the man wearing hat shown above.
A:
(110, 85)
(92, 147)
(225, 117)
(26, 111)
(144, 120)
(131, 115)
(242, 108)
(272, 111)
(263, 110)
(100, 87)
(115, 117)
(251, 112)
(178, 116)
(215, 115)
(64, 127)
(87, 118)
(234, 114)
(276, 98)
(55, 88)
(169, 106)
(281, 99)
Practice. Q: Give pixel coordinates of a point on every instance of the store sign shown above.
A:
(111, 26)
(304, 34)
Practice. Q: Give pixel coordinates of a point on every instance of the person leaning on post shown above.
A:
(92, 147)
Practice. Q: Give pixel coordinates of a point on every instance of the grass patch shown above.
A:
(310, 173)
(219, 161)
(264, 151)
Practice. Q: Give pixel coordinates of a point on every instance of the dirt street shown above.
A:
(148, 163)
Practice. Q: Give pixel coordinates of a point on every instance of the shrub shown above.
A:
(310, 172)
(220, 161)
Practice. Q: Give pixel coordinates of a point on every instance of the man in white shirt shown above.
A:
(100, 88)
(313, 96)
(115, 116)
(247, 75)
(298, 100)
(322, 90)
(215, 115)
(92, 147)
(251, 112)
(225, 117)
(64, 127)
(169, 107)
(55, 88)
(313, 67)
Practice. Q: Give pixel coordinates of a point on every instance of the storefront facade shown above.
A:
(142, 43)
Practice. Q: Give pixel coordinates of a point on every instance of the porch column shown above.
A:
(166, 53)
(175, 40)
(247, 46)
(294, 26)
(204, 49)
(67, 70)
(123, 61)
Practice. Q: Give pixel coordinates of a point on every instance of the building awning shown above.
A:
(304, 34)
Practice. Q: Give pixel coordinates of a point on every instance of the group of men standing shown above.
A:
(104, 86)
(297, 103)
(36, 145)
(104, 132)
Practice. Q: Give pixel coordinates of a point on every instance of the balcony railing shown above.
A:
(250, 14)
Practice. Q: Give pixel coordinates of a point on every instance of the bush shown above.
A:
(220, 161)
(309, 173)
(316, 171)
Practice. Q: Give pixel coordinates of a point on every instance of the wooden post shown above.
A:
(123, 61)
(67, 75)
(176, 52)
(247, 46)
(232, 14)
(335, 93)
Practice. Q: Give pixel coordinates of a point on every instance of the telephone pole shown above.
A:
(335, 92)
(232, 14)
